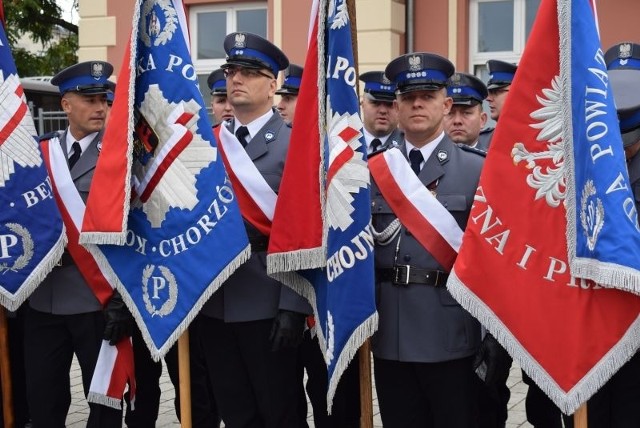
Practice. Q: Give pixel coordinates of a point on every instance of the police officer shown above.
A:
(379, 117)
(615, 404)
(501, 75)
(64, 317)
(289, 92)
(424, 347)
(220, 106)
(253, 324)
(466, 117)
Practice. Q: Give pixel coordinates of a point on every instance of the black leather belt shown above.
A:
(66, 259)
(406, 274)
(259, 243)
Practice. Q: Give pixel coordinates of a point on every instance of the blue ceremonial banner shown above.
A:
(346, 297)
(328, 227)
(603, 236)
(183, 235)
(32, 234)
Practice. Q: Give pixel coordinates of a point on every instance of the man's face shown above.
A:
(221, 107)
(86, 113)
(287, 107)
(463, 123)
(496, 100)
(380, 118)
(420, 114)
(249, 89)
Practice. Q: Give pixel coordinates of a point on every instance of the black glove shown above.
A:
(497, 361)
(119, 321)
(287, 330)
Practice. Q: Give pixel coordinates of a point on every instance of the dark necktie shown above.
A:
(416, 158)
(375, 144)
(241, 134)
(77, 151)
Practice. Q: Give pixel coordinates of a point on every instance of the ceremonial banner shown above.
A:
(182, 235)
(32, 235)
(512, 272)
(323, 211)
(602, 227)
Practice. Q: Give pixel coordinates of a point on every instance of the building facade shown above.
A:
(468, 32)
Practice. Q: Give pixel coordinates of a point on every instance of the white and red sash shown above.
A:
(114, 368)
(416, 207)
(71, 208)
(256, 199)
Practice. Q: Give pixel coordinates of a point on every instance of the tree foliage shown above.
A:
(42, 21)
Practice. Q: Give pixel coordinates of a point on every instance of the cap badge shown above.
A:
(624, 51)
(442, 155)
(240, 41)
(415, 63)
(455, 79)
(96, 70)
(385, 81)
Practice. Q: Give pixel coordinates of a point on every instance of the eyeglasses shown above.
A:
(245, 72)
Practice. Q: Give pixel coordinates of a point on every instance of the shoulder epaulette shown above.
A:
(487, 130)
(48, 135)
(381, 149)
(472, 150)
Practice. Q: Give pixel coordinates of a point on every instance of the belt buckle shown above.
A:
(398, 279)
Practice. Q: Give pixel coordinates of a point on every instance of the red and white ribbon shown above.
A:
(256, 198)
(416, 207)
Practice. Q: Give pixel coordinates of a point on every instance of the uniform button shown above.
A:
(407, 257)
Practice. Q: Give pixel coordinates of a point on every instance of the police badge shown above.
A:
(240, 41)
(96, 70)
(624, 51)
(415, 63)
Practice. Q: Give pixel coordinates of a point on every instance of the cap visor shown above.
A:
(419, 87)
(380, 98)
(631, 137)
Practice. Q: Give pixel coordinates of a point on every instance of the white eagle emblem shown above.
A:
(348, 173)
(624, 51)
(151, 24)
(177, 186)
(548, 176)
(415, 63)
(17, 144)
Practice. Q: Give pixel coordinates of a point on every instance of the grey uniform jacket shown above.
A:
(250, 294)
(64, 291)
(634, 178)
(394, 139)
(484, 139)
(423, 323)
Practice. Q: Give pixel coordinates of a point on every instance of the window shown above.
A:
(208, 27)
(499, 29)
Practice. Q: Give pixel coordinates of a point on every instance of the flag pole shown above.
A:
(366, 397)
(184, 374)
(5, 371)
(364, 354)
(580, 417)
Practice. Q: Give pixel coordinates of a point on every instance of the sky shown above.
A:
(68, 13)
